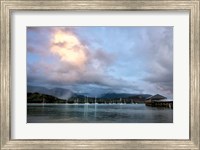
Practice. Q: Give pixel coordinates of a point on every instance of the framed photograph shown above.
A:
(99, 74)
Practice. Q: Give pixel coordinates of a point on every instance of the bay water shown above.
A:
(97, 113)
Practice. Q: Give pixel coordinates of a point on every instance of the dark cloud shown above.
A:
(104, 57)
(141, 61)
(41, 73)
(160, 66)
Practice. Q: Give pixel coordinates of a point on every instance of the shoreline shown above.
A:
(80, 104)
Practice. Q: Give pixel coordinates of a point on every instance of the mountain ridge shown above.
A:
(63, 93)
(57, 92)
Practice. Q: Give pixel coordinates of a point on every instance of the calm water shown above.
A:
(99, 113)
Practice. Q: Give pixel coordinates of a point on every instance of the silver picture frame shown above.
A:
(8, 6)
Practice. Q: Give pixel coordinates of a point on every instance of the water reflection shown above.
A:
(95, 111)
(85, 111)
(98, 113)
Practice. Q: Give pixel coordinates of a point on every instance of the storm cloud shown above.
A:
(98, 60)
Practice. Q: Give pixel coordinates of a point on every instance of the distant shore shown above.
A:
(39, 104)
(43, 98)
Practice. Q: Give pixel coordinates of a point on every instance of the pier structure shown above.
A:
(159, 101)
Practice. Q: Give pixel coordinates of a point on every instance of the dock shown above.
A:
(159, 101)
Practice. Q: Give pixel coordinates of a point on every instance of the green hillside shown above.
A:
(43, 98)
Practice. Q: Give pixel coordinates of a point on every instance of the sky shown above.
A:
(98, 60)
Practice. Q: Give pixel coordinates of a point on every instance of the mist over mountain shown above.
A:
(66, 93)
(57, 92)
(123, 95)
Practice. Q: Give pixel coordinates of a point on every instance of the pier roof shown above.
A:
(156, 97)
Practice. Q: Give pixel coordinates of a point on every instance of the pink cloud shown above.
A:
(68, 47)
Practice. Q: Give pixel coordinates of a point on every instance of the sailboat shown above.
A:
(95, 100)
(121, 101)
(66, 101)
(43, 101)
(76, 102)
(86, 100)
(56, 102)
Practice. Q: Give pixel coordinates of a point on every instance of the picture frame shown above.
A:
(7, 7)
